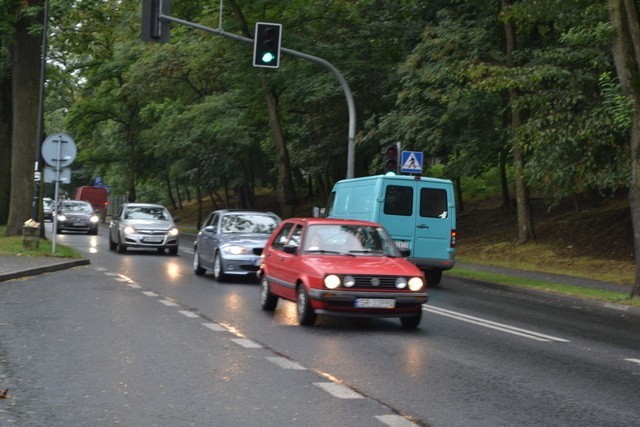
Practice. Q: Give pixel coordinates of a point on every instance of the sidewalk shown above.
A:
(15, 266)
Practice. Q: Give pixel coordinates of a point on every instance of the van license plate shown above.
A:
(401, 245)
(375, 303)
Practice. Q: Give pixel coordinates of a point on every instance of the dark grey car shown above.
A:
(76, 215)
(231, 241)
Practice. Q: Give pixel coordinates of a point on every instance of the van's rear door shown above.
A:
(396, 212)
(435, 219)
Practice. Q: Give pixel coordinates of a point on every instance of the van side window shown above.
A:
(398, 200)
(433, 203)
(330, 202)
(282, 237)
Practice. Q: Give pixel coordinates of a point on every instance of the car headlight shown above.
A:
(129, 230)
(94, 218)
(415, 284)
(401, 282)
(62, 217)
(332, 281)
(236, 250)
(173, 232)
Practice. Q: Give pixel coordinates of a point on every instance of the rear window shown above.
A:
(398, 200)
(433, 203)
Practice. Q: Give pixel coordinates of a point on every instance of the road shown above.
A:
(138, 339)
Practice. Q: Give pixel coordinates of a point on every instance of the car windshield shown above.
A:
(249, 223)
(76, 207)
(47, 203)
(147, 212)
(352, 239)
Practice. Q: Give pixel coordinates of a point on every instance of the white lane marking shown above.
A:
(168, 303)
(121, 279)
(111, 274)
(246, 343)
(494, 325)
(339, 391)
(100, 268)
(190, 314)
(214, 327)
(633, 361)
(133, 285)
(150, 294)
(394, 420)
(285, 363)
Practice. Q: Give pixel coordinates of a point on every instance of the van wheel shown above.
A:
(433, 277)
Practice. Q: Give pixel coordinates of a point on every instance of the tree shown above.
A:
(626, 52)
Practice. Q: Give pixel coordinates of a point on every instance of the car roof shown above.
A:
(136, 204)
(333, 221)
(244, 211)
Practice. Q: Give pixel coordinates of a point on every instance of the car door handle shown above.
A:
(423, 226)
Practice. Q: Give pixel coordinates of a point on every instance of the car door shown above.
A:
(207, 240)
(114, 225)
(433, 222)
(281, 270)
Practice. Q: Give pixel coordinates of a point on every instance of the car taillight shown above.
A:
(454, 234)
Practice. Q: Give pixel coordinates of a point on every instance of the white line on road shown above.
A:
(214, 327)
(394, 420)
(246, 343)
(633, 361)
(285, 363)
(168, 303)
(339, 391)
(150, 294)
(190, 314)
(494, 325)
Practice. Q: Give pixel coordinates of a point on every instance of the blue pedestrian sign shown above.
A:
(411, 162)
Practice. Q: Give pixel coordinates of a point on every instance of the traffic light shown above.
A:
(390, 159)
(155, 29)
(266, 45)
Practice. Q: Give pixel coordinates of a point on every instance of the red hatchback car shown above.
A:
(340, 267)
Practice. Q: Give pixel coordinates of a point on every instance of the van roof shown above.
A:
(394, 177)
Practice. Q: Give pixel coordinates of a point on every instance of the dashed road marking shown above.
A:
(190, 314)
(150, 294)
(633, 361)
(394, 420)
(246, 343)
(214, 327)
(285, 363)
(339, 391)
(100, 268)
(168, 303)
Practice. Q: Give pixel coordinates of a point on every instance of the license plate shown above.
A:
(78, 224)
(375, 303)
(401, 245)
(153, 239)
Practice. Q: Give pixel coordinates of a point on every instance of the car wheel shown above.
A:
(268, 301)
(306, 315)
(94, 232)
(112, 244)
(120, 247)
(411, 322)
(197, 268)
(433, 277)
(218, 270)
(173, 251)
(58, 230)
(160, 250)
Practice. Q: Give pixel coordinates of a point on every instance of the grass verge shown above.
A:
(13, 246)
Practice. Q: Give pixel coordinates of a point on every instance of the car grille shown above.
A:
(152, 232)
(375, 282)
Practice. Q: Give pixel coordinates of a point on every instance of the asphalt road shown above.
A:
(138, 339)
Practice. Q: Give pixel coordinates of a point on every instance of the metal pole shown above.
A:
(37, 174)
(343, 83)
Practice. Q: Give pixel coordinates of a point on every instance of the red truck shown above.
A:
(97, 196)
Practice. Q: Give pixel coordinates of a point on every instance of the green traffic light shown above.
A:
(268, 57)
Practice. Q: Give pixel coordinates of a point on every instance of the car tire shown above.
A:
(160, 251)
(93, 232)
(411, 322)
(58, 230)
(433, 277)
(218, 270)
(120, 247)
(197, 268)
(306, 315)
(268, 301)
(112, 244)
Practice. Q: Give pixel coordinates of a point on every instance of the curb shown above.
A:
(44, 269)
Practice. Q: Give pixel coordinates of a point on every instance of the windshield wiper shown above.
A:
(321, 251)
(365, 251)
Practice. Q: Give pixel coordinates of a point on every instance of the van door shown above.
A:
(396, 212)
(434, 222)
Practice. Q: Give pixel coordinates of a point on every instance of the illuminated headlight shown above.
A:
(236, 250)
(349, 281)
(94, 218)
(401, 282)
(129, 230)
(332, 281)
(173, 232)
(62, 217)
(415, 284)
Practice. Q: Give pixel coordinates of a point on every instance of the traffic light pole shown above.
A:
(343, 83)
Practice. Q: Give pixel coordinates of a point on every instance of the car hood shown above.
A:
(148, 224)
(365, 265)
(245, 239)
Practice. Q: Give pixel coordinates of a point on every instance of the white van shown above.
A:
(418, 212)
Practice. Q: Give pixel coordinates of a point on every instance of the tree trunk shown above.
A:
(25, 78)
(131, 173)
(5, 148)
(626, 54)
(504, 182)
(525, 222)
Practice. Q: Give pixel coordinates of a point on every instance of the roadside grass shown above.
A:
(13, 246)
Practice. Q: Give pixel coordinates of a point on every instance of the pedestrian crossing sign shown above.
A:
(411, 162)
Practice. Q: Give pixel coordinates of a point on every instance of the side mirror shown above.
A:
(176, 219)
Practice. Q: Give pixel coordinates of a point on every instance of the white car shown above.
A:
(143, 226)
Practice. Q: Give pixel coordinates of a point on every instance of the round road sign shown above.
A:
(59, 150)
